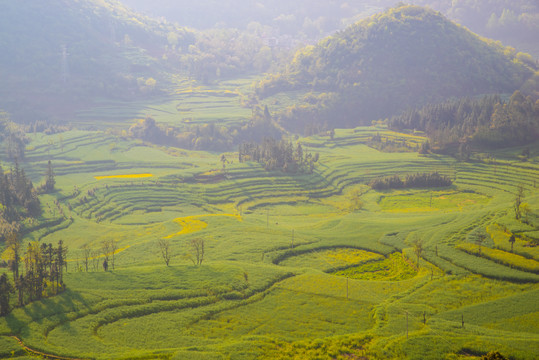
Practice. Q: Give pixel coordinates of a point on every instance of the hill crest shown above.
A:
(405, 56)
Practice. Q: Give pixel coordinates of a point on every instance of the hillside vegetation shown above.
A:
(405, 56)
(181, 215)
(64, 53)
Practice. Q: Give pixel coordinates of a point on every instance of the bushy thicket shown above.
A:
(487, 121)
(420, 180)
(278, 155)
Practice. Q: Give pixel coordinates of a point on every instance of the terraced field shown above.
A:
(291, 269)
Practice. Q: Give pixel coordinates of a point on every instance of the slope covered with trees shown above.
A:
(405, 56)
(66, 51)
(514, 22)
(487, 121)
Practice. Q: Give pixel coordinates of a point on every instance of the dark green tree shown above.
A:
(512, 241)
(6, 289)
(518, 201)
(50, 181)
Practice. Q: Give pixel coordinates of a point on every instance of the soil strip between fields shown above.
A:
(42, 354)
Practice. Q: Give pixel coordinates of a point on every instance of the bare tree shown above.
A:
(197, 246)
(105, 249)
(518, 201)
(479, 240)
(86, 252)
(113, 248)
(164, 246)
(418, 249)
(95, 259)
(512, 240)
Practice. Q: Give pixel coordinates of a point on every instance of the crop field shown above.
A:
(292, 266)
(187, 103)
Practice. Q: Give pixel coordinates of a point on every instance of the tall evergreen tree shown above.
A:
(6, 289)
(50, 181)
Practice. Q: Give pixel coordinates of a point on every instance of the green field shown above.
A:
(291, 269)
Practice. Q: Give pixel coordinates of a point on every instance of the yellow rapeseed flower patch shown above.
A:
(191, 224)
(127, 176)
(342, 257)
(498, 235)
(504, 257)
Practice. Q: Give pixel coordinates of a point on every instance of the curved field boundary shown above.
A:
(127, 176)
(42, 354)
(297, 252)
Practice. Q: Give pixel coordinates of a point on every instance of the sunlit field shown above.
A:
(288, 263)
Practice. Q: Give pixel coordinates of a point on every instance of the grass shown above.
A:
(290, 269)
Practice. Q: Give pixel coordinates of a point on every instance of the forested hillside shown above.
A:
(298, 19)
(406, 56)
(65, 52)
(514, 22)
(488, 121)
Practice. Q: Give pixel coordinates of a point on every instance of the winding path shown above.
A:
(42, 354)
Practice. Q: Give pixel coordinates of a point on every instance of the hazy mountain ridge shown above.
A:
(76, 49)
(405, 56)
(514, 22)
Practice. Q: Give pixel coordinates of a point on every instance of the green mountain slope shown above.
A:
(404, 57)
(58, 52)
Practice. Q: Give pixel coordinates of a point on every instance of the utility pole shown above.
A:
(65, 69)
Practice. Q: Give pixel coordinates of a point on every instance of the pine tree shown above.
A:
(50, 182)
(6, 289)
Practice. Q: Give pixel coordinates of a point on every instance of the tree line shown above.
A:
(18, 200)
(42, 276)
(208, 137)
(419, 180)
(488, 121)
(384, 64)
(278, 155)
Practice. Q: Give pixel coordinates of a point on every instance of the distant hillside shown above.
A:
(301, 19)
(59, 52)
(514, 22)
(406, 56)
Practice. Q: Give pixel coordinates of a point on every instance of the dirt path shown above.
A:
(41, 354)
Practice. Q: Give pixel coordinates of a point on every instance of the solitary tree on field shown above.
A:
(479, 240)
(164, 246)
(518, 201)
(512, 241)
(49, 182)
(526, 211)
(418, 249)
(223, 160)
(86, 251)
(5, 292)
(113, 248)
(197, 246)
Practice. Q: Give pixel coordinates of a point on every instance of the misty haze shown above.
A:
(241, 179)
